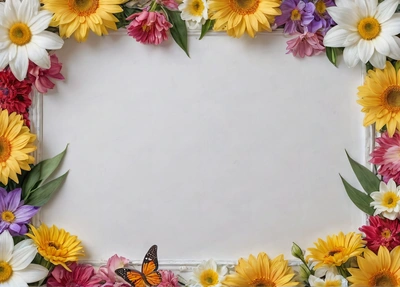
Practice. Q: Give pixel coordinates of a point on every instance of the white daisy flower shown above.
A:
(22, 36)
(387, 200)
(331, 280)
(208, 274)
(366, 30)
(194, 12)
(15, 267)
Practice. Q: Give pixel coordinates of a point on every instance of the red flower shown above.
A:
(381, 232)
(40, 77)
(80, 275)
(14, 95)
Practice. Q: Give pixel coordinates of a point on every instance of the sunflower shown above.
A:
(56, 245)
(336, 250)
(380, 98)
(238, 16)
(16, 142)
(261, 271)
(380, 269)
(77, 16)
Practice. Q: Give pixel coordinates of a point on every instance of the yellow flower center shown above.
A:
(320, 7)
(20, 34)
(295, 15)
(369, 28)
(209, 278)
(244, 7)
(83, 7)
(5, 149)
(335, 250)
(391, 98)
(263, 282)
(390, 199)
(383, 278)
(196, 7)
(5, 271)
(386, 233)
(7, 216)
(52, 244)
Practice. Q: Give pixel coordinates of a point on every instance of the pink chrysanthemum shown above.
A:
(381, 232)
(306, 44)
(81, 275)
(387, 156)
(168, 279)
(40, 77)
(148, 27)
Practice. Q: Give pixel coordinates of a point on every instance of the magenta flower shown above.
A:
(381, 232)
(148, 27)
(106, 274)
(14, 215)
(40, 77)
(296, 15)
(387, 156)
(307, 44)
(170, 4)
(168, 279)
(81, 275)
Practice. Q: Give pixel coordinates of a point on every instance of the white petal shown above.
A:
(386, 10)
(391, 185)
(367, 7)
(336, 37)
(378, 60)
(19, 65)
(394, 48)
(392, 26)
(14, 281)
(22, 256)
(3, 59)
(33, 273)
(38, 55)
(352, 39)
(365, 50)
(350, 56)
(12, 52)
(382, 43)
(6, 246)
(344, 17)
(2, 6)
(48, 40)
(345, 3)
(40, 22)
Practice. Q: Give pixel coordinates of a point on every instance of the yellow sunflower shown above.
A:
(239, 16)
(78, 16)
(336, 250)
(380, 98)
(261, 271)
(382, 269)
(16, 143)
(56, 245)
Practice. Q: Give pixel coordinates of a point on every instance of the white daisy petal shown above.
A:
(22, 256)
(386, 9)
(392, 26)
(48, 40)
(19, 65)
(344, 17)
(382, 45)
(6, 246)
(14, 281)
(40, 22)
(366, 7)
(3, 59)
(38, 55)
(352, 39)
(350, 56)
(336, 37)
(365, 50)
(33, 273)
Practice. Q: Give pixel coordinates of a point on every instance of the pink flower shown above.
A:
(168, 279)
(381, 232)
(40, 77)
(306, 44)
(148, 27)
(106, 274)
(81, 275)
(170, 4)
(387, 156)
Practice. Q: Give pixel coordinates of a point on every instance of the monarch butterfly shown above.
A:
(149, 275)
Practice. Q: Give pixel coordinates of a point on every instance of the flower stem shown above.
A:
(153, 6)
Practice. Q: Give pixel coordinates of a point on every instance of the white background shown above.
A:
(234, 151)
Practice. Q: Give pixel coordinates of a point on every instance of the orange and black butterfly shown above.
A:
(149, 275)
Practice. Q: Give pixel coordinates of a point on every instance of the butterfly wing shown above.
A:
(133, 277)
(150, 266)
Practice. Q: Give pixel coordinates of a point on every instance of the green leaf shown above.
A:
(360, 199)
(368, 180)
(178, 30)
(331, 53)
(41, 195)
(40, 173)
(207, 26)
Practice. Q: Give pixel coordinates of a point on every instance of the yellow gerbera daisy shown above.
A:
(336, 250)
(16, 142)
(77, 16)
(380, 98)
(56, 245)
(238, 16)
(261, 271)
(380, 269)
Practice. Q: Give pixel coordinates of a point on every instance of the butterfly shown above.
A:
(149, 275)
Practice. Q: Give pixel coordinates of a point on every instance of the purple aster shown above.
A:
(296, 15)
(14, 215)
(322, 20)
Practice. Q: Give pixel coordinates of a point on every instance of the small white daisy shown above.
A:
(194, 12)
(331, 280)
(208, 274)
(387, 200)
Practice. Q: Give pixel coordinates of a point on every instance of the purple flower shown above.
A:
(14, 215)
(322, 20)
(296, 15)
